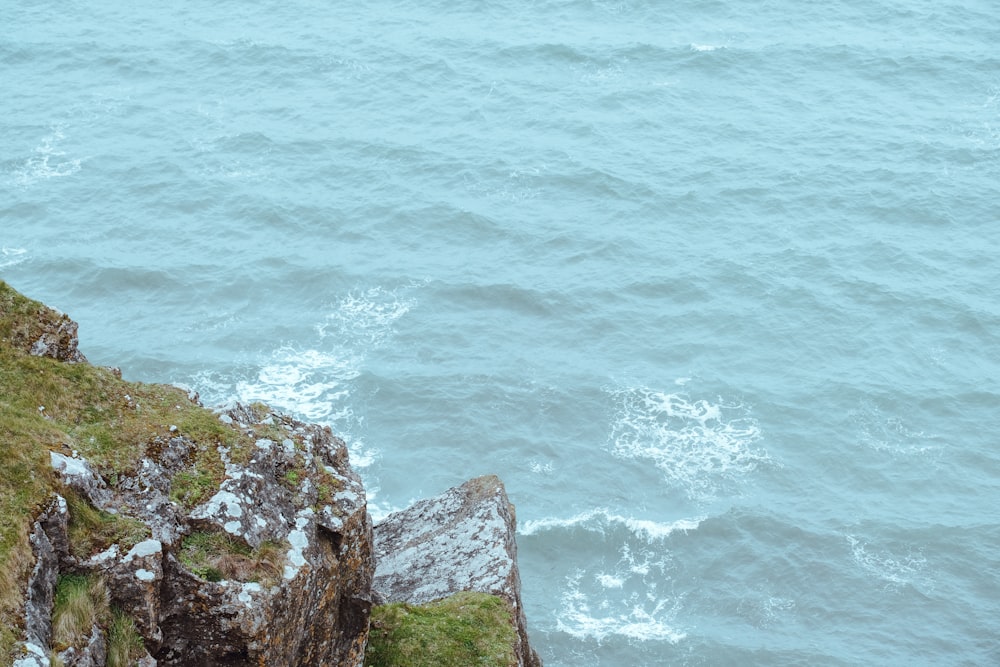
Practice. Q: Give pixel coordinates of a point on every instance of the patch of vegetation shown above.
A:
(25, 482)
(81, 602)
(92, 530)
(291, 479)
(192, 487)
(46, 404)
(462, 630)
(215, 556)
(124, 641)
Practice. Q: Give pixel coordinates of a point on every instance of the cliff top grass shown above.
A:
(50, 405)
(464, 629)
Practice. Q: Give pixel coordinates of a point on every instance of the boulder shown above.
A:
(462, 540)
(316, 611)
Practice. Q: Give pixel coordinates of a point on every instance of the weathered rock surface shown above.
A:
(48, 333)
(314, 613)
(48, 540)
(93, 654)
(462, 540)
(317, 613)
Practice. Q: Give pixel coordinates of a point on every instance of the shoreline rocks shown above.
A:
(461, 540)
(241, 537)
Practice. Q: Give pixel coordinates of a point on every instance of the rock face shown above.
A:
(48, 538)
(314, 613)
(462, 540)
(317, 612)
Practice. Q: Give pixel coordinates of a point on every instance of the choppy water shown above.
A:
(712, 286)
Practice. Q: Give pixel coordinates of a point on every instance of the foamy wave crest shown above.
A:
(12, 256)
(698, 445)
(46, 162)
(889, 433)
(364, 318)
(315, 379)
(585, 614)
(895, 570)
(310, 383)
(601, 521)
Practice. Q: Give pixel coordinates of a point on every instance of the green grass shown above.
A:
(81, 602)
(124, 641)
(92, 530)
(46, 404)
(215, 556)
(464, 630)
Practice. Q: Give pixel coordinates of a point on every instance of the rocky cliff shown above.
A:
(141, 528)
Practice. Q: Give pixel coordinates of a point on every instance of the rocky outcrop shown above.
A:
(41, 331)
(242, 538)
(462, 540)
(315, 609)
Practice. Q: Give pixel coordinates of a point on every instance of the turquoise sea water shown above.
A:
(712, 286)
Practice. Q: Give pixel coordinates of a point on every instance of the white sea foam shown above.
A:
(889, 433)
(698, 445)
(764, 610)
(12, 256)
(600, 520)
(589, 615)
(892, 568)
(316, 382)
(309, 383)
(706, 47)
(540, 467)
(46, 161)
(363, 320)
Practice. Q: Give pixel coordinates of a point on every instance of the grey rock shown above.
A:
(317, 612)
(462, 540)
(31, 655)
(48, 538)
(93, 654)
(59, 339)
(78, 474)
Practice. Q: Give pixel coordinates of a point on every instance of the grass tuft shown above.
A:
(462, 630)
(81, 602)
(125, 644)
(215, 556)
(92, 530)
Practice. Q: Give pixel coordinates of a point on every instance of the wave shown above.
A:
(894, 569)
(890, 433)
(46, 162)
(640, 616)
(12, 256)
(318, 382)
(602, 520)
(700, 446)
(364, 319)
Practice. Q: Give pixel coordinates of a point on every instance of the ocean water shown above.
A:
(712, 286)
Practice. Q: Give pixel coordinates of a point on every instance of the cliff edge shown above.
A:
(143, 529)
